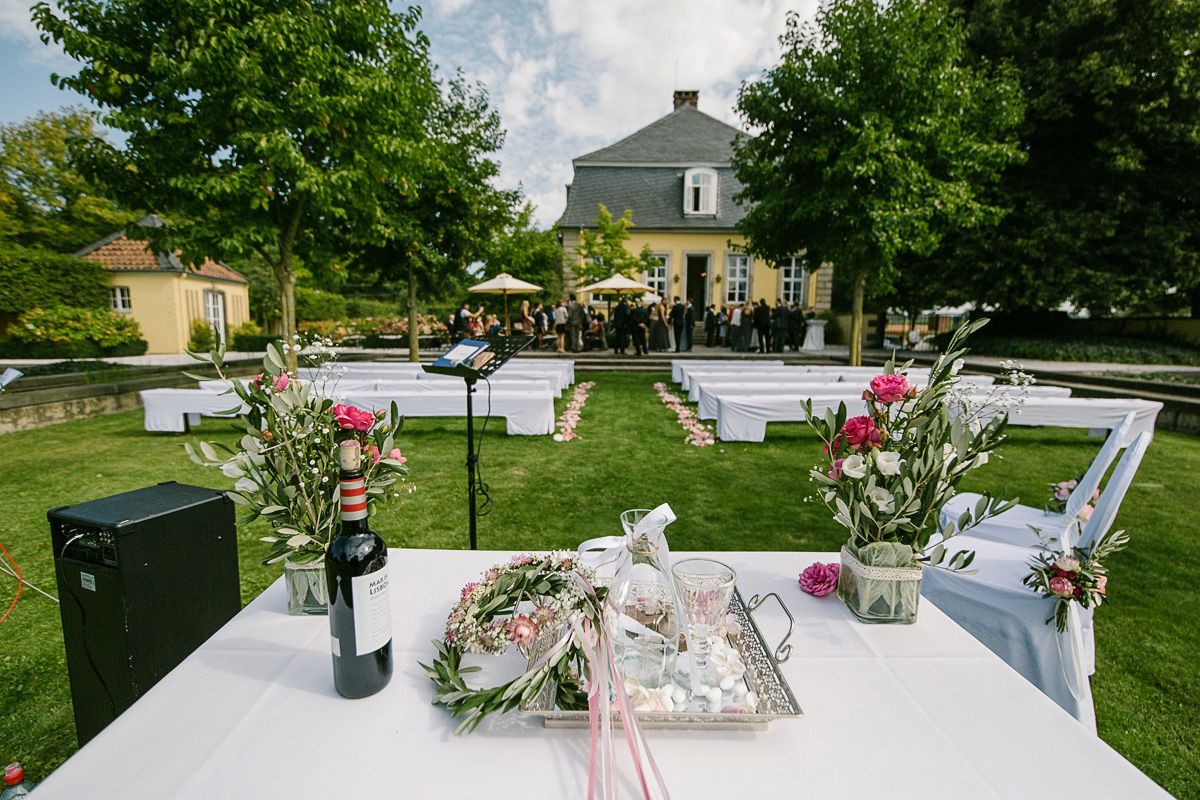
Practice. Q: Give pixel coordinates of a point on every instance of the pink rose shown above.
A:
(350, 418)
(835, 471)
(396, 455)
(819, 579)
(1061, 587)
(889, 388)
(256, 380)
(861, 432)
(1101, 584)
(1071, 484)
(1085, 513)
(522, 631)
(372, 451)
(1061, 493)
(282, 382)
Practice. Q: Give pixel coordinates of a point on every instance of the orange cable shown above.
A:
(20, 582)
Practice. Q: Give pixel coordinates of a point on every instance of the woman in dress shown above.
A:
(560, 325)
(660, 341)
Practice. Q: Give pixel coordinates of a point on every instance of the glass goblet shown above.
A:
(704, 587)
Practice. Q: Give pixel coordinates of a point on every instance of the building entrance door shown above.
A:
(697, 283)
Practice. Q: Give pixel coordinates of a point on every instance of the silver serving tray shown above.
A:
(775, 698)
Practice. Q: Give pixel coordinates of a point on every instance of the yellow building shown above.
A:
(164, 295)
(676, 176)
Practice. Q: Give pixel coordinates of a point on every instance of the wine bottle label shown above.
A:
(372, 611)
(354, 498)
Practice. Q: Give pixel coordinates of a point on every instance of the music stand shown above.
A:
(502, 348)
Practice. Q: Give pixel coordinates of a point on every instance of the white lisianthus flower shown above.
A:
(882, 499)
(886, 462)
(854, 466)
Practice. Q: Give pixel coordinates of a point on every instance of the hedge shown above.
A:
(1102, 350)
(36, 278)
(63, 332)
(315, 304)
(10, 348)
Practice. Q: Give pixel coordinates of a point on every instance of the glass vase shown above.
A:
(879, 595)
(647, 642)
(306, 589)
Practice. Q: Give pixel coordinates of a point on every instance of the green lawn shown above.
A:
(732, 497)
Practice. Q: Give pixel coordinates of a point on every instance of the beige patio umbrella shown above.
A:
(505, 284)
(616, 284)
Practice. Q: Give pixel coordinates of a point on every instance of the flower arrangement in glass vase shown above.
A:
(285, 466)
(886, 474)
(1076, 576)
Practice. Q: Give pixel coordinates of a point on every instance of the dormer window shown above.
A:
(700, 191)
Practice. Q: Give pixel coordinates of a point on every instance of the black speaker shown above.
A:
(144, 578)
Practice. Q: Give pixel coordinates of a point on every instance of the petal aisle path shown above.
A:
(698, 433)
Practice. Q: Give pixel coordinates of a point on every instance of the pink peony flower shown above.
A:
(889, 388)
(819, 579)
(860, 432)
(522, 631)
(835, 471)
(350, 418)
(396, 455)
(1061, 587)
(282, 382)
(1102, 584)
(1067, 564)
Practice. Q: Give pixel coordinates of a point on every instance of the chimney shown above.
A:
(688, 98)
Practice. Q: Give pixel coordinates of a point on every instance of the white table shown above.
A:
(526, 412)
(170, 410)
(744, 418)
(253, 714)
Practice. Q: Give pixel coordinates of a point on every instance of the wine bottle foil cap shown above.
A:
(350, 456)
(13, 774)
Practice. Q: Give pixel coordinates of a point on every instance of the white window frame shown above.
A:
(659, 278)
(793, 281)
(119, 299)
(704, 179)
(738, 261)
(215, 312)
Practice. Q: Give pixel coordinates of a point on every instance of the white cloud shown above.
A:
(570, 77)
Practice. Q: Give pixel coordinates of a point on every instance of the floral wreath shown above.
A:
(485, 620)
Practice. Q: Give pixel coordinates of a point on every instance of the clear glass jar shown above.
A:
(306, 589)
(879, 594)
(646, 643)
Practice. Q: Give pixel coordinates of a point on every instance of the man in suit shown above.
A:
(575, 323)
(779, 322)
(762, 324)
(689, 324)
(676, 317)
(639, 325)
(795, 326)
(620, 319)
(710, 325)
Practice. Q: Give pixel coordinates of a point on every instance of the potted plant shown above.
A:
(886, 474)
(285, 466)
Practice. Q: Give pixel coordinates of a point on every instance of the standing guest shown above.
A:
(722, 326)
(677, 318)
(465, 323)
(639, 325)
(689, 324)
(795, 319)
(710, 326)
(560, 325)
(576, 317)
(620, 322)
(539, 323)
(735, 329)
(762, 325)
(779, 322)
(749, 335)
(660, 340)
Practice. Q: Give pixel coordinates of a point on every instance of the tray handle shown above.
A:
(784, 650)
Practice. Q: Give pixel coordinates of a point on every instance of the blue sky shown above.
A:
(567, 76)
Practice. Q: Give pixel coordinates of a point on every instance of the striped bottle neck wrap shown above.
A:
(354, 498)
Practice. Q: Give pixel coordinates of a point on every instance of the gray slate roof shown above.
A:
(686, 136)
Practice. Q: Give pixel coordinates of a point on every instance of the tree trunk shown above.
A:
(856, 318)
(414, 335)
(287, 309)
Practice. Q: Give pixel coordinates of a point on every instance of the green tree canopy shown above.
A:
(876, 138)
(45, 201)
(525, 252)
(603, 249)
(255, 126)
(1105, 211)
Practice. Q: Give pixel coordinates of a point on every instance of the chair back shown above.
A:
(1090, 481)
(1114, 493)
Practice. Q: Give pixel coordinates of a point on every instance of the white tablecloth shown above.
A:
(677, 364)
(563, 367)
(169, 410)
(527, 413)
(744, 418)
(921, 711)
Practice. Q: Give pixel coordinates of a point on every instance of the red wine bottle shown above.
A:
(360, 611)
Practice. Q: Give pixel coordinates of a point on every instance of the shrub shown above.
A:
(1111, 350)
(247, 328)
(370, 307)
(63, 332)
(249, 343)
(314, 304)
(202, 336)
(35, 278)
